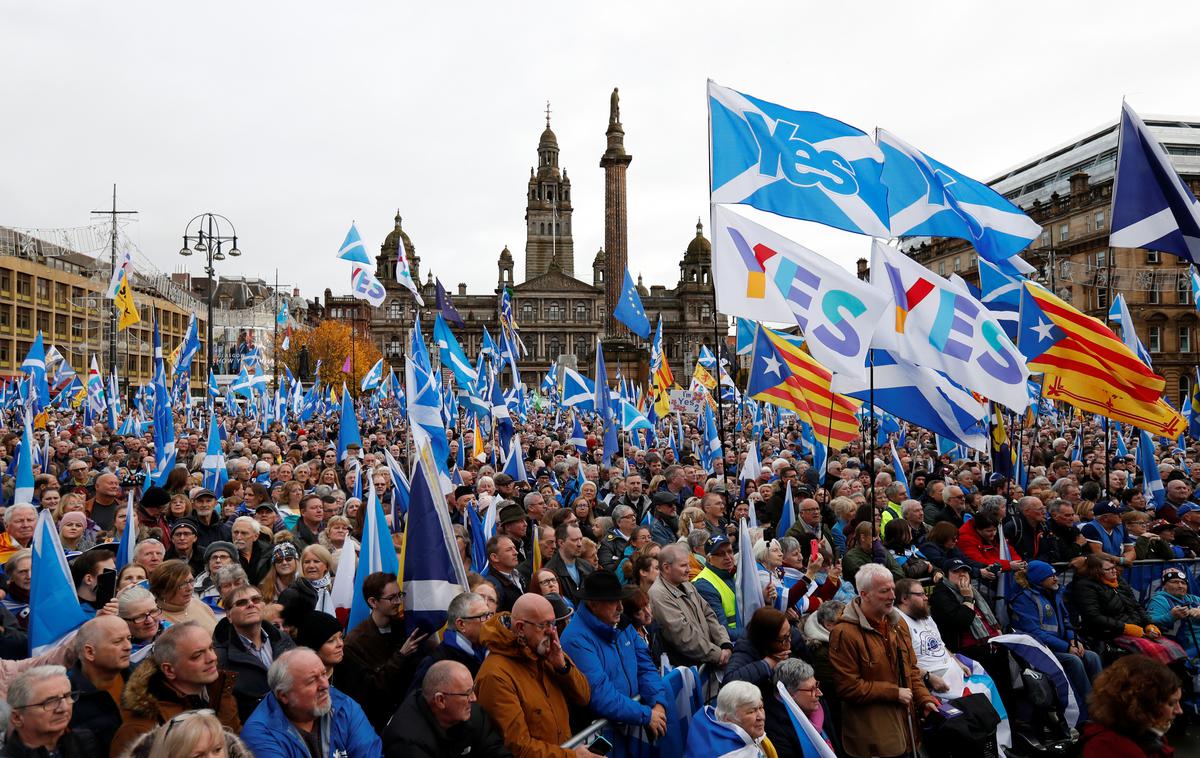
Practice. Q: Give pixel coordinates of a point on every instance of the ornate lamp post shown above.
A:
(213, 233)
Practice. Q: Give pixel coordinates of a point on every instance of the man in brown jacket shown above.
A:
(527, 681)
(690, 631)
(870, 650)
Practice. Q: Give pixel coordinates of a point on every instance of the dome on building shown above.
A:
(548, 139)
(391, 242)
(699, 248)
(506, 255)
(600, 258)
(641, 288)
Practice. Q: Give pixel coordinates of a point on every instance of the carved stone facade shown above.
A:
(561, 317)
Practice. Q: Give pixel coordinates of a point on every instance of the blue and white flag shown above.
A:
(24, 487)
(1118, 313)
(364, 286)
(577, 439)
(215, 473)
(433, 570)
(604, 406)
(1152, 484)
(353, 249)
(373, 378)
(191, 345)
(347, 427)
(812, 745)
(423, 390)
(578, 391)
(1038, 657)
(632, 419)
(54, 610)
(377, 554)
(1001, 293)
(794, 163)
(923, 397)
(1152, 207)
(928, 198)
(898, 467)
(629, 310)
(711, 453)
(35, 366)
(940, 325)
(128, 541)
(514, 461)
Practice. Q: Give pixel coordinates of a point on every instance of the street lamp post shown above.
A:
(212, 232)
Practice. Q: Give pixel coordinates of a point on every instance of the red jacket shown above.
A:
(974, 548)
(1103, 742)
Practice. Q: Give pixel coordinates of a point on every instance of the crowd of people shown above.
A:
(879, 595)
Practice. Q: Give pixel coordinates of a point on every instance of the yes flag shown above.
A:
(940, 325)
(837, 312)
(364, 286)
(928, 198)
(433, 570)
(353, 249)
(794, 163)
(54, 610)
(629, 310)
(1152, 206)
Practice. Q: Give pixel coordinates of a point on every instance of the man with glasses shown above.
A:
(443, 718)
(247, 645)
(465, 617)
(527, 681)
(955, 507)
(612, 547)
(386, 660)
(139, 610)
(98, 676)
(42, 702)
(940, 669)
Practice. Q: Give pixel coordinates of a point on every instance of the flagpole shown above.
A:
(875, 509)
(716, 335)
(275, 344)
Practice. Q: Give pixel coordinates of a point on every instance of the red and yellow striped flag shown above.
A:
(830, 414)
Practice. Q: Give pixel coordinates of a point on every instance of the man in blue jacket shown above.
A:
(617, 665)
(303, 716)
(1038, 610)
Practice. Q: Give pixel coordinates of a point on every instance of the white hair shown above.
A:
(869, 576)
(761, 548)
(735, 696)
(247, 521)
(13, 510)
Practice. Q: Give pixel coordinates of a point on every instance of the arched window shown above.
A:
(554, 311)
(543, 228)
(553, 347)
(580, 311)
(581, 347)
(1185, 386)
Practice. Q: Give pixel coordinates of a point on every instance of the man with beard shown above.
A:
(304, 715)
(939, 667)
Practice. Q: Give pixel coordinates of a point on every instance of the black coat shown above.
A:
(567, 587)
(612, 550)
(232, 655)
(444, 652)
(259, 563)
(75, 743)
(95, 711)
(413, 732)
(507, 591)
(1100, 612)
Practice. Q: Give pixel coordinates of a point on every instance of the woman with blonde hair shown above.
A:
(315, 580)
(191, 734)
(336, 536)
(691, 518)
(172, 583)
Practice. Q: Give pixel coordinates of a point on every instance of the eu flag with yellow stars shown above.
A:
(629, 310)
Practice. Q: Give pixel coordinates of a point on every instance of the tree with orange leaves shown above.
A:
(330, 343)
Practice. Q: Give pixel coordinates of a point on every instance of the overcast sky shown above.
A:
(294, 119)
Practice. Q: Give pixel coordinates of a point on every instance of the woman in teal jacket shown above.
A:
(1176, 612)
(617, 665)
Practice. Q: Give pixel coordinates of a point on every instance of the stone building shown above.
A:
(1068, 190)
(560, 316)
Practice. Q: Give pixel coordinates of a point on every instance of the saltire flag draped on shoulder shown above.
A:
(928, 198)
(812, 745)
(837, 312)
(794, 163)
(1152, 207)
(1087, 366)
(54, 610)
(433, 570)
(353, 249)
(940, 325)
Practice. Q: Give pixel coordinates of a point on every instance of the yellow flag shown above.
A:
(126, 308)
(705, 379)
(40, 420)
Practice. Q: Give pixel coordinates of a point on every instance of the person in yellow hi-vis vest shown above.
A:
(715, 584)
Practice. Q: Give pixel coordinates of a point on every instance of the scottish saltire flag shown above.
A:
(35, 366)
(128, 536)
(373, 378)
(1152, 207)
(629, 310)
(577, 439)
(24, 486)
(347, 427)
(923, 397)
(603, 405)
(685, 697)
(353, 249)
(764, 276)
(433, 570)
(1039, 658)
(632, 419)
(745, 335)
(812, 745)
(1152, 484)
(364, 286)
(712, 440)
(95, 388)
(190, 346)
(445, 306)
(799, 164)
(377, 554)
(54, 610)
(452, 354)
(242, 385)
(939, 325)
(514, 461)
(1001, 294)
(578, 391)
(501, 416)
(213, 389)
(898, 467)
(749, 593)
(928, 198)
(423, 391)
(215, 473)
(1118, 313)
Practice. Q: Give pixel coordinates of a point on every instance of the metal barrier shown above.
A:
(1145, 577)
(591, 731)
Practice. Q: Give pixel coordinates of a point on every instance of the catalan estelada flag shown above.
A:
(1087, 366)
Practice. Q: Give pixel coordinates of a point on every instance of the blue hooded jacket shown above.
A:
(617, 665)
(1033, 613)
(268, 731)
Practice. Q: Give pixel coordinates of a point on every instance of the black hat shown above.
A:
(603, 585)
(155, 497)
(220, 546)
(185, 523)
(955, 564)
(562, 611)
(663, 497)
(512, 513)
(463, 489)
(316, 629)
